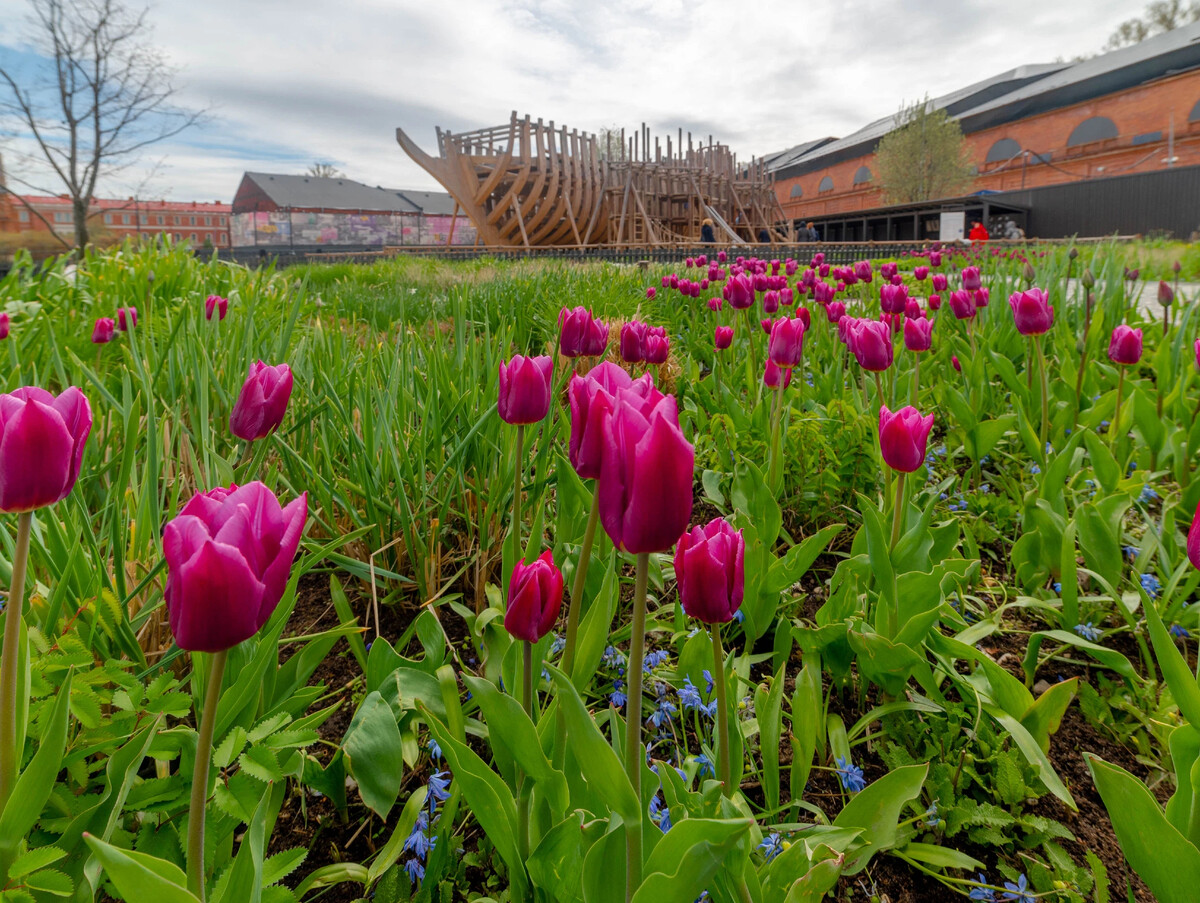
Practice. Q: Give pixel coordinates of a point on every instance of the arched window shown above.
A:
(1194, 116)
(862, 174)
(1097, 128)
(1002, 151)
(797, 191)
(826, 184)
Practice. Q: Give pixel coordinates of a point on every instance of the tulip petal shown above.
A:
(36, 456)
(213, 600)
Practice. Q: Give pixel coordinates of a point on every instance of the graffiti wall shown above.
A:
(283, 229)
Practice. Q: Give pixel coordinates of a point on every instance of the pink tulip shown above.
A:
(771, 302)
(940, 283)
(862, 271)
(524, 389)
(5, 325)
(591, 399)
(102, 332)
(970, 278)
(774, 373)
(215, 303)
(835, 310)
(534, 598)
(1032, 311)
(1198, 354)
(935, 258)
(1165, 294)
(912, 309)
(902, 437)
(921, 273)
(651, 292)
(42, 438)
(893, 298)
(981, 297)
(723, 337)
(632, 342)
(656, 348)
(739, 292)
(1125, 347)
(1193, 540)
(955, 363)
(580, 334)
(963, 304)
(263, 401)
(871, 344)
(126, 317)
(645, 487)
(918, 334)
(229, 554)
(710, 571)
(715, 303)
(786, 344)
(935, 302)
(823, 292)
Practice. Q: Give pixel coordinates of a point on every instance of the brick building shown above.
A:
(1130, 111)
(199, 222)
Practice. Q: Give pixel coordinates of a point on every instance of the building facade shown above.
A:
(1131, 111)
(198, 222)
(273, 211)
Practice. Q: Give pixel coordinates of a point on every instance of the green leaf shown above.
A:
(33, 860)
(260, 763)
(50, 881)
(139, 876)
(818, 880)
(1033, 754)
(282, 864)
(604, 869)
(372, 745)
(1105, 466)
(1159, 854)
(556, 865)
(768, 705)
(799, 558)
(394, 847)
(1044, 716)
(940, 857)
(877, 810)
(594, 629)
(687, 857)
(1109, 658)
(1100, 547)
(1178, 675)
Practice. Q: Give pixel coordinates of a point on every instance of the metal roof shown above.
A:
(310, 192)
(780, 159)
(1026, 91)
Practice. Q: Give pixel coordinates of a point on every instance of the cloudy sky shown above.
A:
(288, 82)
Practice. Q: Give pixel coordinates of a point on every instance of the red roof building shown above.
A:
(199, 222)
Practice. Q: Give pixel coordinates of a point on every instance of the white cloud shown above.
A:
(296, 81)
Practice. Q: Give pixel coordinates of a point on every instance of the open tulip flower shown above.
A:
(871, 344)
(102, 332)
(786, 344)
(535, 595)
(739, 292)
(263, 401)
(591, 399)
(229, 554)
(903, 436)
(1032, 311)
(42, 438)
(215, 304)
(1125, 347)
(918, 334)
(581, 334)
(709, 566)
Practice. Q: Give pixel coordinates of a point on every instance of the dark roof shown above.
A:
(312, 193)
(1026, 91)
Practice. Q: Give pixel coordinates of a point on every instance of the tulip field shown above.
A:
(738, 580)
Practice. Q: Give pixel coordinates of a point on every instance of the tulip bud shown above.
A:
(962, 302)
(580, 333)
(524, 389)
(102, 332)
(42, 438)
(215, 303)
(723, 337)
(955, 363)
(1198, 354)
(970, 278)
(902, 437)
(1029, 273)
(1193, 540)
(710, 572)
(835, 310)
(1032, 311)
(918, 334)
(591, 399)
(534, 598)
(786, 344)
(871, 344)
(1125, 347)
(1088, 280)
(645, 488)
(722, 257)
(1165, 294)
(263, 401)
(126, 318)
(935, 302)
(229, 554)
(1073, 253)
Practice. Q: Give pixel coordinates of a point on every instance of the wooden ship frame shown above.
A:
(530, 184)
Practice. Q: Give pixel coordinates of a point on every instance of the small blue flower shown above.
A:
(1017, 893)
(1058, 588)
(689, 696)
(557, 645)
(416, 871)
(1131, 552)
(1088, 631)
(1150, 584)
(660, 814)
(612, 658)
(850, 775)
(932, 820)
(435, 751)
(940, 451)
(739, 616)
(1178, 630)
(708, 679)
(706, 766)
(439, 788)
(618, 699)
(985, 488)
(417, 842)
(982, 894)
(1034, 469)
(1049, 449)
(654, 659)
(663, 712)
(1147, 495)
(771, 846)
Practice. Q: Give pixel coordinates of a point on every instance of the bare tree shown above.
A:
(1158, 17)
(612, 148)
(108, 96)
(324, 171)
(923, 157)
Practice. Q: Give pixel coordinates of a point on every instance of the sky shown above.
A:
(289, 82)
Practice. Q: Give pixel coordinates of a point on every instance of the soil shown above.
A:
(311, 820)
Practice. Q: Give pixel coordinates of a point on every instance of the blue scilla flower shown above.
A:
(708, 679)
(771, 846)
(932, 820)
(710, 710)
(982, 894)
(739, 616)
(663, 712)
(1049, 449)
(1104, 425)
(435, 751)
(557, 645)
(612, 658)
(1088, 631)
(416, 871)
(1178, 630)
(618, 697)
(706, 766)
(439, 789)
(654, 659)
(417, 841)
(940, 451)
(1150, 584)
(660, 814)
(1132, 467)
(850, 775)
(1018, 893)
(1131, 552)
(1034, 469)
(1058, 588)
(689, 696)
(985, 488)
(1147, 495)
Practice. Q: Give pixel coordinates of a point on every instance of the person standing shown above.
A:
(706, 232)
(978, 232)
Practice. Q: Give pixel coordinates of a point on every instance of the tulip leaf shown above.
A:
(1176, 673)
(373, 755)
(768, 704)
(557, 863)
(877, 811)
(395, 846)
(1104, 465)
(1044, 716)
(687, 857)
(594, 629)
(788, 570)
(604, 869)
(1159, 854)
(1109, 658)
(1100, 547)
(819, 880)
(140, 876)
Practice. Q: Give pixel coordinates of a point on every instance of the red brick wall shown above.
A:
(1146, 108)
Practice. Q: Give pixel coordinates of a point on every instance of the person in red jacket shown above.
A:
(978, 232)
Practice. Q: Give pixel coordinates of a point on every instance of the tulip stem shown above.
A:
(724, 765)
(522, 790)
(1115, 428)
(773, 466)
(916, 378)
(9, 664)
(879, 388)
(1029, 369)
(577, 587)
(518, 471)
(898, 511)
(1045, 435)
(633, 724)
(208, 720)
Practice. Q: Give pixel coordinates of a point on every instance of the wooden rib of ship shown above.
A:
(530, 184)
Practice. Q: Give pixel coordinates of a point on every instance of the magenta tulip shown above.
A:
(1165, 294)
(912, 309)
(524, 389)
(892, 298)
(935, 302)
(774, 373)
(645, 486)
(102, 332)
(217, 304)
(888, 270)
(835, 310)
(710, 571)
(981, 296)
(1198, 354)
(229, 553)
(935, 258)
(823, 292)
(903, 436)
(918, 334)
(41, 446)
(1032, 311)
(651, 292)
(1193, 540)
(954, 362)
(940, 283)
(715, 304)
(126, 318)
(970, 278)
(723, 337)
(921, 273)
(739, 292)
(1125, 347)
(580, 334)
(5, 326)
(871, 344)
(534, 598)
(263, 401)
(862, 271)
(962, 302)
(656, 348)
(632, 335)
(770, 302)
(786, 344)
(591, 399)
